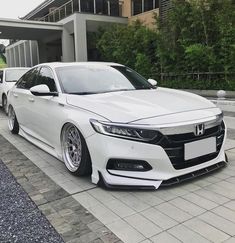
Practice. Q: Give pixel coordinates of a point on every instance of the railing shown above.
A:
(201, 80)
(196, 76)
(59, 13)
(111, 9)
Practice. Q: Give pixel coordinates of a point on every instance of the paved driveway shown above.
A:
(202, 210)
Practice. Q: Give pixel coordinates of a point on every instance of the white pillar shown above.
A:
(94, 6)
(14, 50)
(80, 39)
(68, 50)
(25, 55)
(22, 54)
(31, 53)
(79, 6)
(38, 55)
(19, 55)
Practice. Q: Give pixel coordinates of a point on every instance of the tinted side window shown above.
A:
(28, 80)
(1, 76)
(46, 77)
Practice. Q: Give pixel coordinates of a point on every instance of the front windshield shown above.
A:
(13, 75)
(100, 79)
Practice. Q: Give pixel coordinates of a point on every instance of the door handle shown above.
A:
(31, 100)
(15, 95)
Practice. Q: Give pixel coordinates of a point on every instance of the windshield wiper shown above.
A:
(82, 93)
(115, 90)
(100, 92)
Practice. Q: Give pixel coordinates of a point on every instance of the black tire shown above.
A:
(13, 122)
(4, 103)
(84, 167)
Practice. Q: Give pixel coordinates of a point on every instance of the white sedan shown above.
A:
(106, 120)
(8, 77)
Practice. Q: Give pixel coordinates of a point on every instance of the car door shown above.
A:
(20, 99)
(45, 110)
(1, 85)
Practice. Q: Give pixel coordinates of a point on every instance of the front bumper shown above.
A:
(164, 171)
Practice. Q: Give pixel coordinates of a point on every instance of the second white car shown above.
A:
(8, 77)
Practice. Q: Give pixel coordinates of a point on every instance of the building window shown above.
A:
(114, 7)
(156, 3)
(136, 7)
(148, 5)
(102, 7)
(87, 6)
(140, 6)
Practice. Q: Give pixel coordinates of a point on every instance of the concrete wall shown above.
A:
(146, 18)
(126, 8)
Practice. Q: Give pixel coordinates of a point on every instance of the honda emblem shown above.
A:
(199, 129)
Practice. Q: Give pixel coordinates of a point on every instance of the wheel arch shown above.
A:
(73, 123)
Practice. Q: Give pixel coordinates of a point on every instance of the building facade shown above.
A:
(77, 18)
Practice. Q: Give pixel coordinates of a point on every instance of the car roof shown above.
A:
(14, 68)
(86, 64)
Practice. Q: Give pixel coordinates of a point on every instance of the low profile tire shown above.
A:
(75, 152)
(4, 103)
(12, 121)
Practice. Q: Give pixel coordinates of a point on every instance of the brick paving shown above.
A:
(20, 219)
(202, 210)
(71, 220)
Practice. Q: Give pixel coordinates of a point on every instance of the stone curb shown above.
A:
(210, 93)
(223, 102)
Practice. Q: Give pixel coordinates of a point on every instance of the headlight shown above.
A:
(220, 117)
(125, 131)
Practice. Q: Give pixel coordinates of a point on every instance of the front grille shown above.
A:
(174, 146)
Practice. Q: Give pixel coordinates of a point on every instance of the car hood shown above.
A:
(133, 106)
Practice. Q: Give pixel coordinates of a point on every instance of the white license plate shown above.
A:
(199, 148)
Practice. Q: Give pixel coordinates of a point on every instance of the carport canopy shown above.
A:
(28, 30)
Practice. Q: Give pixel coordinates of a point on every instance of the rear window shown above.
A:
(14, 74)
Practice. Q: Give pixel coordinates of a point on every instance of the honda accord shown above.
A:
(106, 120)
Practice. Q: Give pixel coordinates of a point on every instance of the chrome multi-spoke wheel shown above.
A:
(72, 147)
(12, 121)
(11, 118)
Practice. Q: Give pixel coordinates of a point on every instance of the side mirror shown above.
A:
(42, 90)
(152, 81)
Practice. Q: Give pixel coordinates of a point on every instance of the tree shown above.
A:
(133, 45)
(199, 57)
(193, 27)
(196, 36)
